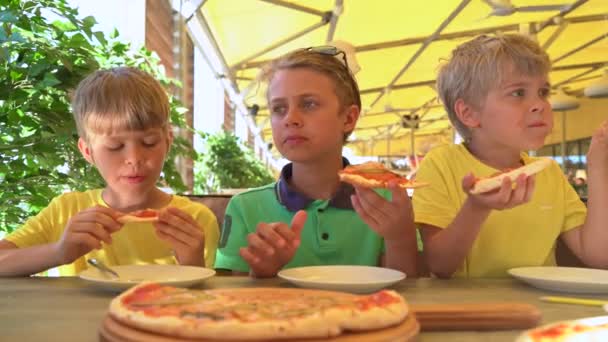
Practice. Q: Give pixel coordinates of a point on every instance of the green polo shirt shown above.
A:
(334, 234)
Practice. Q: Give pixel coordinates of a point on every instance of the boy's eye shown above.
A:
(114, 147)
(518, 93)
(278, 109)
(544, 92)
(309, 104)
(150, 143)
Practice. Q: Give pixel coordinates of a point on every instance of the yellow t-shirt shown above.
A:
(521, 236)
(135, 243)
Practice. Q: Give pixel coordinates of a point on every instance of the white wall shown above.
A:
(128, 16)
(208, 99)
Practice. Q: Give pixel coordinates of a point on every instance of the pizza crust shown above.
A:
(492, 183)
(374, 183)
(318, 324)
(134, 218)
(130, 218)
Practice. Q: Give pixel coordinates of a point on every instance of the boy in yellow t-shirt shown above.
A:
(495, 90)
(122, 116)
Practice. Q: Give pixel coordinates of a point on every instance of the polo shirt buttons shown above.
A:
(325, 236)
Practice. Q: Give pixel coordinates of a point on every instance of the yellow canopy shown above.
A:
(399, 45)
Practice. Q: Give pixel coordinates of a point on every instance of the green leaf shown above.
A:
(64, 26)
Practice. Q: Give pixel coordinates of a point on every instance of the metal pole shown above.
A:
(563, 146)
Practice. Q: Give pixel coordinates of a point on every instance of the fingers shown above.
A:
(298, 222)
(93, 229)
(87, 240)
(101, 215)
(182, 228)
(530, 185)
(249, 257)
(259, 245)
(367, 218)
(371, 204)
(468, 182)
(399, 196)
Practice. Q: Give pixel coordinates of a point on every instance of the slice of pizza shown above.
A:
(486, 184)
(375, 175)
(566, 332)
(145, 215)
(259, 314)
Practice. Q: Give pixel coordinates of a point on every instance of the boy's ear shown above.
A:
(467, 114)
(85, 150)
(350, 118)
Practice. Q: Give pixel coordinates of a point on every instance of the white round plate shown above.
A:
(564, 279)
(358, 279)
(588, 336)
(175, 275)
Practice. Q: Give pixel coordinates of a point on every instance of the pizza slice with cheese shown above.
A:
(145, 215)
(375, 175)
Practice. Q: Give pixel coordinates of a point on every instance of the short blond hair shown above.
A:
(345, 85)
(479, 65)
(119, 98)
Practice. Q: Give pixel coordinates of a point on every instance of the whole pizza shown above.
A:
(254, 314)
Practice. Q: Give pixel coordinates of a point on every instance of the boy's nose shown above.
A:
(293, 118)
(133, 156)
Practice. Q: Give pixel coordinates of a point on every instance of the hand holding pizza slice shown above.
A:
(488, 184)
(180, 230)
(498, 192)
(375, 175)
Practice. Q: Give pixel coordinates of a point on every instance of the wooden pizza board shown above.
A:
(112, 330)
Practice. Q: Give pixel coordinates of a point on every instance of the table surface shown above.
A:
(70, 309)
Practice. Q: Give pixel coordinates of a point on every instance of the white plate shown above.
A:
(564, 279)
(358, 279)
(590, 336)
(130, 275)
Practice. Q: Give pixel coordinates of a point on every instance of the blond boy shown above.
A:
(122, 116)
(495, 90)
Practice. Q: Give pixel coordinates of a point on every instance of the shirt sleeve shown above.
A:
(432, 204)
(40, 229)
(233, 237)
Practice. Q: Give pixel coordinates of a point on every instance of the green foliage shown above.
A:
(41, 62)
(226, 163)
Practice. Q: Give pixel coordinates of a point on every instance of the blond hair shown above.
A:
(479, 65)
(119, 98)
(345, 85)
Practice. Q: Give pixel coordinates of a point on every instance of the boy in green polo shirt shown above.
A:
(314, 104)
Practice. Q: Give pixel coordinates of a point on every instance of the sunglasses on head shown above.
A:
(329, 50)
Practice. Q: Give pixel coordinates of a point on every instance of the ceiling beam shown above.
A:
(576, 77)
(453, 35)
(333, 22)
(283, 41)
(581, 47)
(296, 7)
(559, 17)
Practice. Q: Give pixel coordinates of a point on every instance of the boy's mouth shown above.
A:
(134, 179)
(294, 139)
(538, 124)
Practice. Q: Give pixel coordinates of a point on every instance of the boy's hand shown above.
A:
(273, 245)
(503, 198)
(184, 235)
(597, 157)
(389, 219)
(85, 231)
